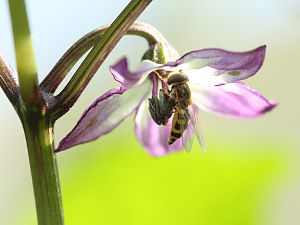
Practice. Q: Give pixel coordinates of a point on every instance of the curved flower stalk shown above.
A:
(9, 81)
(214, 79)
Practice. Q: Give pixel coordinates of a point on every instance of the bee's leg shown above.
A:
(164, 80)
(165, 86)
(163, 73)
(159, 76)
(176, 108)
(166, 89)
(168, 93)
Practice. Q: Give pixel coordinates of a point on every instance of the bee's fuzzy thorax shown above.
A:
(177, 78)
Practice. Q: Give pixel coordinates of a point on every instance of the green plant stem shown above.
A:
(45, 179)
(26, 66)
(72, 91)
(36, 122)
(77, 50)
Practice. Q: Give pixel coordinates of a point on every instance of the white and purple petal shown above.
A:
(128, 79)
(233, 99)
(107, 112)
(204, 65)
(153, 137)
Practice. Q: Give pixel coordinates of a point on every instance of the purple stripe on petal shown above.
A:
(129, 79)
(107, 112)
(234, 99)
(230, 66)
(153, 137)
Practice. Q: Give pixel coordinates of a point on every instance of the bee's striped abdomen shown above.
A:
(179, 124)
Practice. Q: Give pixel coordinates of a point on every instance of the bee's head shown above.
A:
(177, 78)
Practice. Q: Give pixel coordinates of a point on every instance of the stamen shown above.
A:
(153, 77)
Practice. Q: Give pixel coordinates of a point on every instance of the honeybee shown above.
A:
(177, 101)
(181, 93)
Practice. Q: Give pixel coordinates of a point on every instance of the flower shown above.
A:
(214, 79)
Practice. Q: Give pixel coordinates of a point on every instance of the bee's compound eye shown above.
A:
(177, 78)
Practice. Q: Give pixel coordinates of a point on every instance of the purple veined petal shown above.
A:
(152, 136)
(229, 66)
(129, 79)
(234, 99)
(106, 113)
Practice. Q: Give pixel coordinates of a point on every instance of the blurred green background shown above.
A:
(250, 173)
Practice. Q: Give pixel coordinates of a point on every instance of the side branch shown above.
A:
(8, 81)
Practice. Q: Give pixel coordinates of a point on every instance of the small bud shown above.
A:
(160, 53)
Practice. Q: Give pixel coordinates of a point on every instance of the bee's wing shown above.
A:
(189, 134)
(193, 129)
(197, 127)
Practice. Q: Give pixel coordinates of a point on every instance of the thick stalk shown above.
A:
(37, 126)
(24, 53)
(38, 132)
